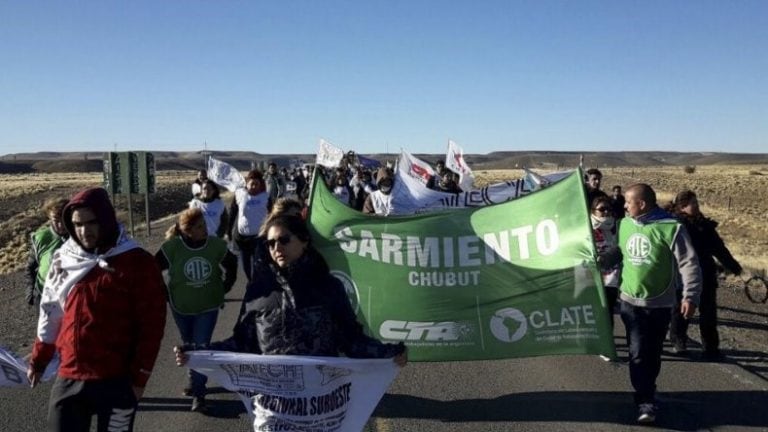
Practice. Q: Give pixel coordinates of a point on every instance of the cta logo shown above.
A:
(423, 331)
(638, 246)
(197, 269)
(509, 325)
(350, 287)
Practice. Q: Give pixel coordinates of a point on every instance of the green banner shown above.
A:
(516, 279)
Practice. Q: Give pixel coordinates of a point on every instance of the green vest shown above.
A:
(648, 262)
(44, 243)
(196, 283)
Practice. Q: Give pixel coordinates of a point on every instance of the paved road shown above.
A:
(563, 393)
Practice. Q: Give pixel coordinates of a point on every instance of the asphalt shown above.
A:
(555, 393)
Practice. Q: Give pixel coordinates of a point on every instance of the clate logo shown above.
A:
(197, 269)
(350, 287)
(509, 325)
(638, 247)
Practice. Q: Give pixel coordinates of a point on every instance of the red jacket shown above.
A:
(113, 318)
(113, 322)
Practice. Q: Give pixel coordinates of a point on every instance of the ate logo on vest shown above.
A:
(197, 269)
(638, 248)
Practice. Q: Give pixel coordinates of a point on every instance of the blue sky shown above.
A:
(375, 76)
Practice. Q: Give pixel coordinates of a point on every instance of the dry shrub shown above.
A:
(753, 172)
(689, 169)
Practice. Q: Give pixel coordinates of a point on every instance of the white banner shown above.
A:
(13, 370)
(225, 175)
(328, 155)
(296, 393)
(410, 195)
(454, 161)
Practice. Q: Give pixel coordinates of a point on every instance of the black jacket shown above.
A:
(300, 310)
(708, 245)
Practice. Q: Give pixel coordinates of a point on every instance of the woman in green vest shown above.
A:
(201, 270)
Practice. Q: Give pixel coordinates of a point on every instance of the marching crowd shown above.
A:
(106, 320)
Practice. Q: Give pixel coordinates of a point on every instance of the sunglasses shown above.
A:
(283, 240)
(603, 209)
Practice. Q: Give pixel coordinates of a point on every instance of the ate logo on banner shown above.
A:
(638, 248)
(197, 269)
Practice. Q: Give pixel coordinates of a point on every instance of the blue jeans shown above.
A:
(196, 332)
(646, 331)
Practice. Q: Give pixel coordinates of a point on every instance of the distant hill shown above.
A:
(92, 161)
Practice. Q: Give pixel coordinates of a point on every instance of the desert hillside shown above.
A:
(49, 162)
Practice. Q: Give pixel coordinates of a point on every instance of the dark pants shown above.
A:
(710, 339)
(247, 246)
(196, 331)
(646, 331)
(611, 296)
(73, 403)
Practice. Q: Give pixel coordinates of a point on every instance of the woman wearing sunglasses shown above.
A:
(294, 306)
(606, 243)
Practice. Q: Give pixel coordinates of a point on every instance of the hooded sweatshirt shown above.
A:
(102, 309)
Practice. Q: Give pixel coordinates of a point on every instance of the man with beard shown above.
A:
(103, 309)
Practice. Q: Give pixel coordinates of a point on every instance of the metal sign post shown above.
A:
(128, 173)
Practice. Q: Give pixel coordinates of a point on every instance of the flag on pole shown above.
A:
(454, 161)
(225, 174)
(414, 168)
(328, 155)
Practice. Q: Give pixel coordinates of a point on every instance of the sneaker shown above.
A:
(646, 413)
(198, 404)
(605, 358)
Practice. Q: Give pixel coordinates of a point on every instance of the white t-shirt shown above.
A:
(212, 212)
(251, 211)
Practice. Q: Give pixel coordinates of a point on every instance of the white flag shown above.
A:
(13, 370)
(300, 393)
(454, 161)
(410, 195)
(225, 175)
(328, 155)
(414, 167)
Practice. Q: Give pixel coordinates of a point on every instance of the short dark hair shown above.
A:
(683, 198)
(594, 171)
(255, 174)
